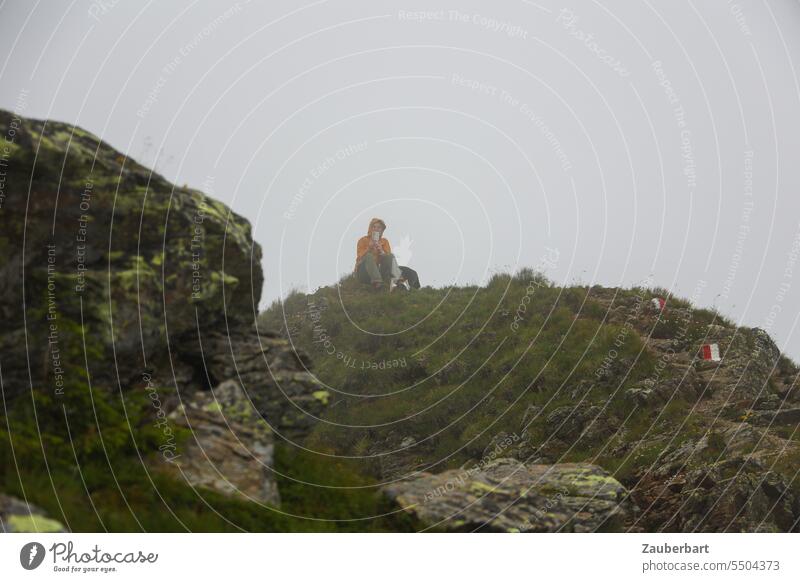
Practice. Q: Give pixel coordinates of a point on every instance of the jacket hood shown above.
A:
(372, 223)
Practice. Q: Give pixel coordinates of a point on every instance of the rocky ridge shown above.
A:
(111, 276)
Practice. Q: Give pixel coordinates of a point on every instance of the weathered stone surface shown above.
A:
(102, 242)
(749, 360)
(782, 417)
(126, 277)
(230, 450)
(684, 385)
(580, 422)
(16, 516)
(737, 495)
(733, 495)
(276, 378)
(727, 481)
(506, 495)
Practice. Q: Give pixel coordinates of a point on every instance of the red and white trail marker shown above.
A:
(658, 303)
(710, 352)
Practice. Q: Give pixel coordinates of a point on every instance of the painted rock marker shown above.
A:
(658, 303)
(710, 352)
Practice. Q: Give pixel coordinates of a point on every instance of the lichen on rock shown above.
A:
(507, 495)
(16, 516)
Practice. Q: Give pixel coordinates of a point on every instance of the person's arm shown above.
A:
(362, 248)
(387, 248)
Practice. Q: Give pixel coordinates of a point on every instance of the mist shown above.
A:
(646, 145)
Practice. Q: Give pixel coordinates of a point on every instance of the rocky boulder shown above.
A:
(737, 479)
(114, 278)
(108, 247)
(230, 448)
(276, 377)
(506, 495)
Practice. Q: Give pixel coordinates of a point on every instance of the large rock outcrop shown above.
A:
(276, 377)
(91, 237)
(113, 277)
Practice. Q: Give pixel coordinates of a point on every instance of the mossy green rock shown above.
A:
(231, 451)
(111, 251)
(16, 516)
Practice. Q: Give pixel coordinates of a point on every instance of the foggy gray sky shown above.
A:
(645, 141)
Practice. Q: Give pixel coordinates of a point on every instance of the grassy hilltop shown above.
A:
(434, 379)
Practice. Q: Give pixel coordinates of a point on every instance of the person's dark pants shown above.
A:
(378, 271)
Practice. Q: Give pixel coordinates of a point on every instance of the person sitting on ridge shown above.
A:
(375, 262)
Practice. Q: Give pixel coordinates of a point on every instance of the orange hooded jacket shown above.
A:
(364, 243)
